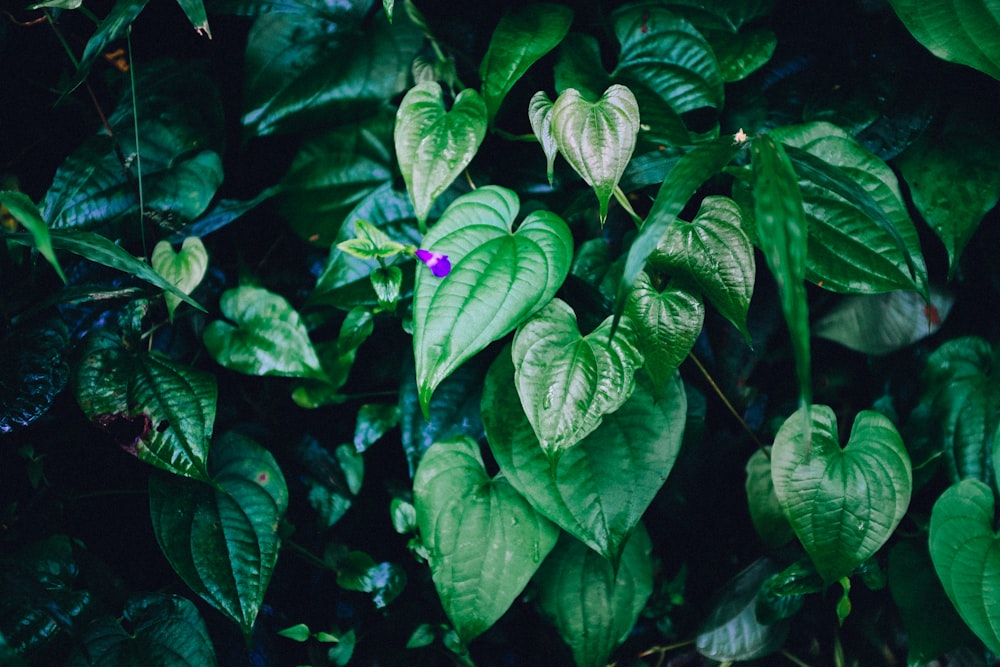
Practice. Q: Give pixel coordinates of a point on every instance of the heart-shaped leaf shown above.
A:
(184, 269)
(843, 504)
(157, 410)
(268, 337)
(568, 382)
(540, 116)
(965, 551)
(666, 323)
(498, 279)
(162, 630)
(765, 511)
(593, 605)
(960, 31)
(600, 488)
(716, 254)
(597, 138)
(521, 37)
(433, 146)
(484, 540)
(222, 538)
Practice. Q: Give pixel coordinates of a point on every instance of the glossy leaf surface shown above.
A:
(843, 503)
(484, 540)
(498, 279)
(962, 391)
(568, 382)
(715, 254)
(961, 31)
(597, 138)
(222, 538)
(781, 230)
(317, 65)
(434, 145)
(966, 555)
(592, 605)
(35, 370)
(540, 116)
(733, 631)
(184, 269)
(521, 37)
(158, 410)
(600, 488)
(680, 184)
(667, 324)
(264, 336)
(25, 212)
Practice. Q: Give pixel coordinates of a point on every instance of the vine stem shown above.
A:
(704, 371)
(135, 124)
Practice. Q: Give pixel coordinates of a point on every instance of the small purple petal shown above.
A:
(437, 262)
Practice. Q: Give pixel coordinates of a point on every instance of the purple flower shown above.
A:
(437, 262)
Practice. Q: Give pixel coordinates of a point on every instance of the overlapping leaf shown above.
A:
(593, 605)
(600, 488)
(498, 279)
(568, 382)
(484, 540)
(715, 254)
(222, 538)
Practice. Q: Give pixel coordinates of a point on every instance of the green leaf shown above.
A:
(374, 421)
(498, 279)
(359, 572)
(593, 605)
(783, 594)
(157, 410)
(884, 323)
(964, 550)
(521, 37)
(323, 65)
(597, 138)
(733, 631)
(954, 180)
(963, 393)
(33, 356)
(184, 269)
(579, 66)
(843, 504)
(484, 540)
(25, 212)
(599, 489)
(781, 229)
(932, 626)
(667, 324)
(715, 254)
(112, 27)
(959, 31)
(540, 116)
(680, 184)
(332, 173)
(669, 66)
(433, 146)
(765, 511)
(181, 124)
(267, 337)
(162, 630)
(222, 538)
(195, 11)
(861, 238)
(568, 382)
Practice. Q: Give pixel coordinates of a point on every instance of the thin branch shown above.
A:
(732, 410)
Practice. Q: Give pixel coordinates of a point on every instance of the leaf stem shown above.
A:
(138, 158)
(307, 555)
(729, 405)
(622, 199)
